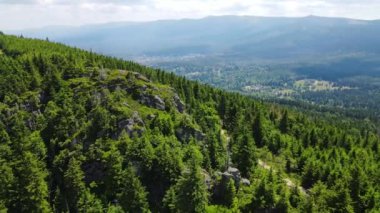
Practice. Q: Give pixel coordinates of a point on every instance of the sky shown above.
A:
(25, 14)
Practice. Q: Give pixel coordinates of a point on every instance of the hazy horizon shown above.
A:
(174, 19)
(29, 14)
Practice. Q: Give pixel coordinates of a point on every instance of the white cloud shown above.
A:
(16, 14)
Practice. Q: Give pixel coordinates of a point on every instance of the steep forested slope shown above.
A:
(266, 57)
(82, 132)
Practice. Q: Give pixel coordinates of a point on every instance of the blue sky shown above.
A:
(21, 14)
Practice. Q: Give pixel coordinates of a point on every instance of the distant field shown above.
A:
(285, 81)
(318, 85)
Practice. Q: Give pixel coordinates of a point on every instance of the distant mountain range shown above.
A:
(227, 37)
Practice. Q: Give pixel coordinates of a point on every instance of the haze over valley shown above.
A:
(336, 59)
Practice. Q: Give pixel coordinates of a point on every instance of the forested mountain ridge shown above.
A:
(321, 61)
(82, 132)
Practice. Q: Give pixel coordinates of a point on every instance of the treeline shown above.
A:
(82, 132)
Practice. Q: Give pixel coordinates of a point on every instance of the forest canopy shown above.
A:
(83, 132)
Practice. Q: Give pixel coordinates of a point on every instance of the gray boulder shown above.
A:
(245, 181)
(141, 77)
(178, 103)
(235, 173)
(132, 126)
(152, 101)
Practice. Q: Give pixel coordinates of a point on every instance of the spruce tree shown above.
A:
(284, 123)
(189, 194)
(258, 130)
(245, 157)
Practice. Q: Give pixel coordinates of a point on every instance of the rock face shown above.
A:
(234, 173)
(178, 103)
(219, 188)
(141, 77)
(245, 181)
(132, 126)
(185, 133)
(158, 102)
(152, 101)
(207, 178)
(142, 92)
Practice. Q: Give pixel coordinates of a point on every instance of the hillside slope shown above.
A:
(82, 132)
(264, 57)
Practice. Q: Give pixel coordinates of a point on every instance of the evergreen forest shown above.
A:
(83, 132)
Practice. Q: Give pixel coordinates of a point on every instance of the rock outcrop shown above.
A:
(207, 178)
(245, 181)
(141, 77)
(185, 133)
(154, 101)
(234, 173)
(132, 126)
(178, 103)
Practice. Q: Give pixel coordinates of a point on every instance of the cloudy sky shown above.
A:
(21, 14)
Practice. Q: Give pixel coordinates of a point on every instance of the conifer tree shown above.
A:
(132, 195)
(284, 123)
(189, 194)
(230, 193)
(258, 130)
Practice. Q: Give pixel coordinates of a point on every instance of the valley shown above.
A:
(282, 83)
(270, 58)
